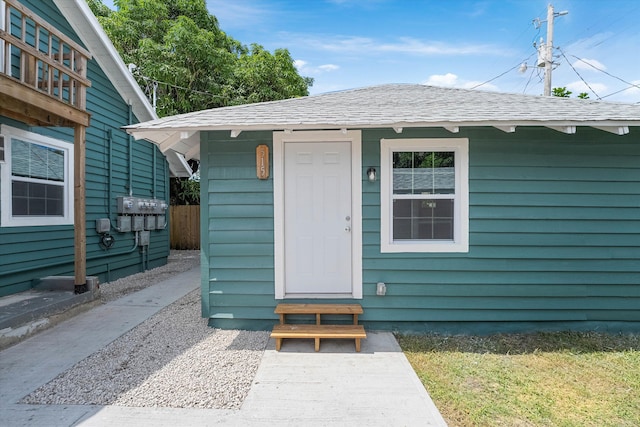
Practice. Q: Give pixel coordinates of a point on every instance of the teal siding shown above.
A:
(237, 232)
(554, 236)
(29, 253)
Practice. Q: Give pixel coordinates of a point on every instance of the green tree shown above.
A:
(562, 92)
(183, 57)
(181, 54)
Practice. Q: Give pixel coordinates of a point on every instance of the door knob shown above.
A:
(347, 228)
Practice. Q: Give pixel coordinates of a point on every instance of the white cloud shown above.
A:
(304, 67)
(452, 80)
(448, 79)
(589, 64)
(328, 67)
(579, 86)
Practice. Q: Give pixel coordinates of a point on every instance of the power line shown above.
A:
(154, 81)
(608, 74)
(502, 74)
(533, 70)
(578, 74)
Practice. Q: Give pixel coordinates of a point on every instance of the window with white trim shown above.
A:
(36, 180)
(424, 195)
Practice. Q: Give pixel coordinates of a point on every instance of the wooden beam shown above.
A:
(79, 218)
(30, 114)
(33, 100)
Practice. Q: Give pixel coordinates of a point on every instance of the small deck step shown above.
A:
(318, 310)
(317, 332)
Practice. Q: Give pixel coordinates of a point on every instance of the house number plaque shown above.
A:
(262, 161)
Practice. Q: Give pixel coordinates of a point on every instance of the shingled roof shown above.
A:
(393, 106)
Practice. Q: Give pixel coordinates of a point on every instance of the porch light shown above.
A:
(371, 173)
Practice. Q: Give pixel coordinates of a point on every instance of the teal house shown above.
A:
(71, 180)
(434, 208)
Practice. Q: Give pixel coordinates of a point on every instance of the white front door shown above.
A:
(318, 218)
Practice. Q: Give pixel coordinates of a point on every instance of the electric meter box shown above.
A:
(138, 223)
(124, 224)
(150, 222)
(161, 223)
(103, 225)
(130, 205)
(145, 237)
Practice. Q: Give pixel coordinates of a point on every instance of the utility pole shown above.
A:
(548, 55)
(548, 62)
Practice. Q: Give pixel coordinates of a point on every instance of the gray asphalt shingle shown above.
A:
(408, 105)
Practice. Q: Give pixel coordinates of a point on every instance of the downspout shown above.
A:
(167, 195)
(130, 143)
(109, 181)
(155, 149)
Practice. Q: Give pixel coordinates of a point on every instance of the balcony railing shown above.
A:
(39, 56)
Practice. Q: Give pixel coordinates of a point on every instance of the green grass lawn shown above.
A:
(543, 379)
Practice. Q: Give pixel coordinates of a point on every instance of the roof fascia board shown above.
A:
(158, 134)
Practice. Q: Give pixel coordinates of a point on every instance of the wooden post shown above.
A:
(80, 223)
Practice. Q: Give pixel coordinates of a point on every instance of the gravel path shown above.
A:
(173, 359)
(177, 262)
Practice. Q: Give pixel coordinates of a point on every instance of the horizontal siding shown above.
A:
(23, 248)
(554, 236)
(239, 232)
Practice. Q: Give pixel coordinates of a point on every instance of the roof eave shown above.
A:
(185, 139)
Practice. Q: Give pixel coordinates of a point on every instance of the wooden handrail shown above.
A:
(44, 24)
(59, 72)
(47, 59)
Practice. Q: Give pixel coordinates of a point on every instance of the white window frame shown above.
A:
(6, 218)
(460, 242)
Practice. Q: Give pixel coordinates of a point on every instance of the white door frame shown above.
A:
(354, 137)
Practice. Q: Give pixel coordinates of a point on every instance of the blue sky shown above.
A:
(353, 43)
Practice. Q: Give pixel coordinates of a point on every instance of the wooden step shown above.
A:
(317, 332)
(318, 309)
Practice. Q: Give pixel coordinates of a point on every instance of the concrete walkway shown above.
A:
(293, 387)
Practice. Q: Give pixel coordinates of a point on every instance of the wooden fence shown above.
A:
(185, 227)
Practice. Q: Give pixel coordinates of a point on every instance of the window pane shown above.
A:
(423, 172)
(36, 199)
(425, 219)
(36, 161)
